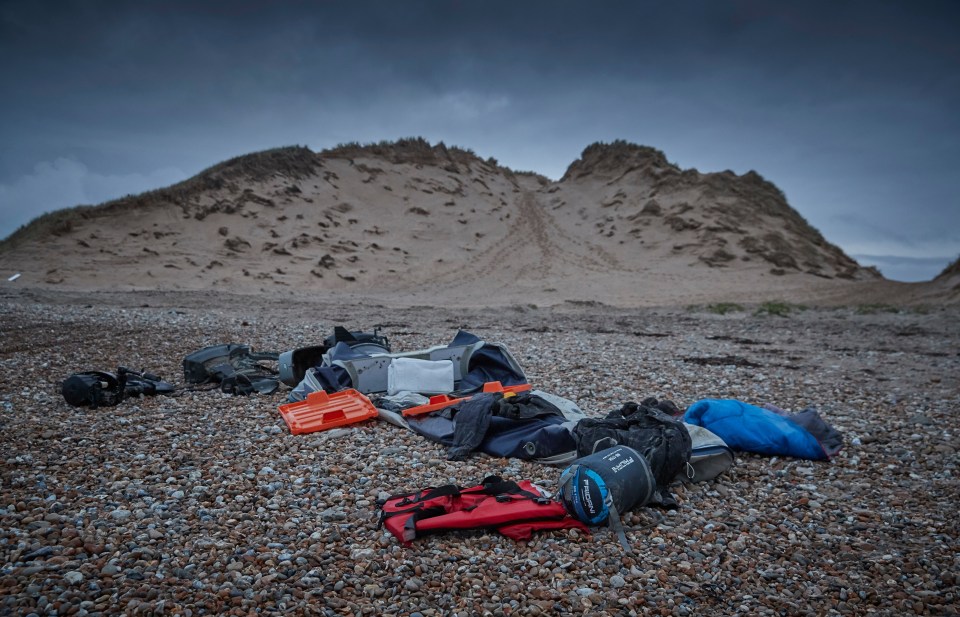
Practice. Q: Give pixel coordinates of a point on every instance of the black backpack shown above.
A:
(648, 429)
(235, 367)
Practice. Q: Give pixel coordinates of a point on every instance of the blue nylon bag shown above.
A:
(753, 429)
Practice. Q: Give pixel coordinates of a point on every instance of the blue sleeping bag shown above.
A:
(752, 429)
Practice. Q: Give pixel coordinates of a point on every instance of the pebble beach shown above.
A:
(205, 504)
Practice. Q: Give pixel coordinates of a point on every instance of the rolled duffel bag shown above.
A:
(598, 487)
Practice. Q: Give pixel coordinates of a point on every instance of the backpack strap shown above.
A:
(416, 500)
(264, 355)
(567, 474)
(243, 384)
(610, 440)
(416, 503)
(614, 522)
(242, 375)
(447, 490)
(497, 487)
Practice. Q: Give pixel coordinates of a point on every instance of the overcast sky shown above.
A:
(850, 107)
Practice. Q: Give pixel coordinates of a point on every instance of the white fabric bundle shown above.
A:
(423, 376)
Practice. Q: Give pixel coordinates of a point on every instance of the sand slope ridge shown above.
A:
(417, 223)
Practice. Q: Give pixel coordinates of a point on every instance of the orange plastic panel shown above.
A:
(441, 401)
(321, 411)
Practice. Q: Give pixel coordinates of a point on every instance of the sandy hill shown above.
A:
(414, 223)
(950, 277)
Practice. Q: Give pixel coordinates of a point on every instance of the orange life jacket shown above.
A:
(515, 509)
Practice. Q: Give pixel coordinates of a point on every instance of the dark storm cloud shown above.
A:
(850, 109)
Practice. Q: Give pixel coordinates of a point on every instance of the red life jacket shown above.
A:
(516, 509)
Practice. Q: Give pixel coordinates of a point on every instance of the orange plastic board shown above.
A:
(321, 411)
(441, 401)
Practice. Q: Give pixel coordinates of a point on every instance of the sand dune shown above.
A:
(412, 223)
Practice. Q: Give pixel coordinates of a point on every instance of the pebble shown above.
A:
(207, 504)
(45, 551)
(73, 578)
(333, 514)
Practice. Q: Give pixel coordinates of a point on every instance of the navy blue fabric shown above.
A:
(826, 435)
(829, 438)
(753, 429)
(437, 426)
(508, 438)
(464, 338)
(336, 378)
(333, 378)
(486, 364)
(504, 436)
(342, 351)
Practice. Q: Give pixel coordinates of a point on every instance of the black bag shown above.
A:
(100, 388)
(234, 367)
(661, 439)
(93, 389)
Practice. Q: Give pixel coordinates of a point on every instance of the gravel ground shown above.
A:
(205, 504)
